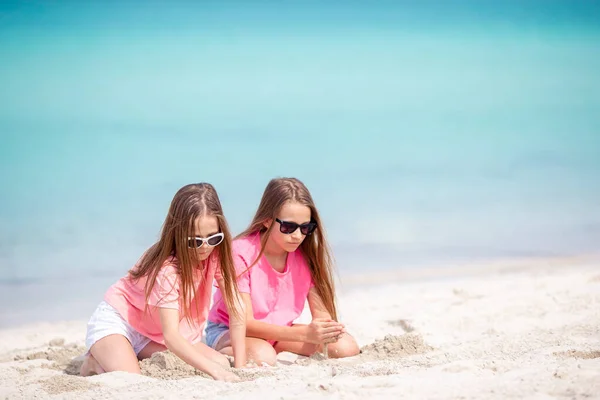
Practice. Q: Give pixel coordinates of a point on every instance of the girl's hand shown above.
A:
(322, 330)
(222, 374)
(250, 365)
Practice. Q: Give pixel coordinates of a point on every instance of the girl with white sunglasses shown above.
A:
(162, 303)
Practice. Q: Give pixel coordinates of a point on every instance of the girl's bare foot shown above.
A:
(90, 367)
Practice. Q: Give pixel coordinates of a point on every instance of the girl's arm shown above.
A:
(317, 306)
(316, 332)
(177, 344)
(237, 331)
(319, 311)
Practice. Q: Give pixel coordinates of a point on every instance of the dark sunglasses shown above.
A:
(290, 227)
(211, 241)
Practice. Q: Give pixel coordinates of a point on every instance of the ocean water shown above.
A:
(428, 132)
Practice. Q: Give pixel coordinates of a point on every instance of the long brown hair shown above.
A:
(190, 202)
(315, 248)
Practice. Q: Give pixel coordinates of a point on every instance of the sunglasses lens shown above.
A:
(309, 228)
(215, 240)
(288, 227)
(194, 242)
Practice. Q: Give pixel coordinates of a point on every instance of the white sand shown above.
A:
(518, 331)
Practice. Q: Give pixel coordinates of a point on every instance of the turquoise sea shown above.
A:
(428, 132)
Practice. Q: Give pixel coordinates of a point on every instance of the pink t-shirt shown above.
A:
(277, 297)
(128, 298)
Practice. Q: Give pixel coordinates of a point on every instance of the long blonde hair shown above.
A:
(189, 203)
(315, 248)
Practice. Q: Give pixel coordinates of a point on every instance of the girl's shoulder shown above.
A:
(246, 247)
(170, 267)
(171, 262)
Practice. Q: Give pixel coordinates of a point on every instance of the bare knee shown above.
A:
(261, 351)
(114, 353)
(346, 346)
(90, 366)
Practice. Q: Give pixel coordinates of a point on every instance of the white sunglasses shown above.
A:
(211, 241)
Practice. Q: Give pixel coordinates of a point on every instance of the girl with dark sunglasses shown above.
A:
(163, 302)
(283, 260)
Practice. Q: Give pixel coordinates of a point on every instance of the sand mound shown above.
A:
(58, 354)
(65, 383)
(63, 357)
(586, 355)
(396, 346)
(166, 365)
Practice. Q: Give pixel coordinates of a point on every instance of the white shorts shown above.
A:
(105, 321)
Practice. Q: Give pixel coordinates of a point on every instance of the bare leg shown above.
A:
(90, 367)
(344, 347)
(301, 348)
(258, 350)
(150, 349)
(111, 353)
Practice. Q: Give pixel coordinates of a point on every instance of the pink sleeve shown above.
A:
(165, 293)
(243, 274)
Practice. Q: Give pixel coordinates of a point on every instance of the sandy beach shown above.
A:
(521, 330)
